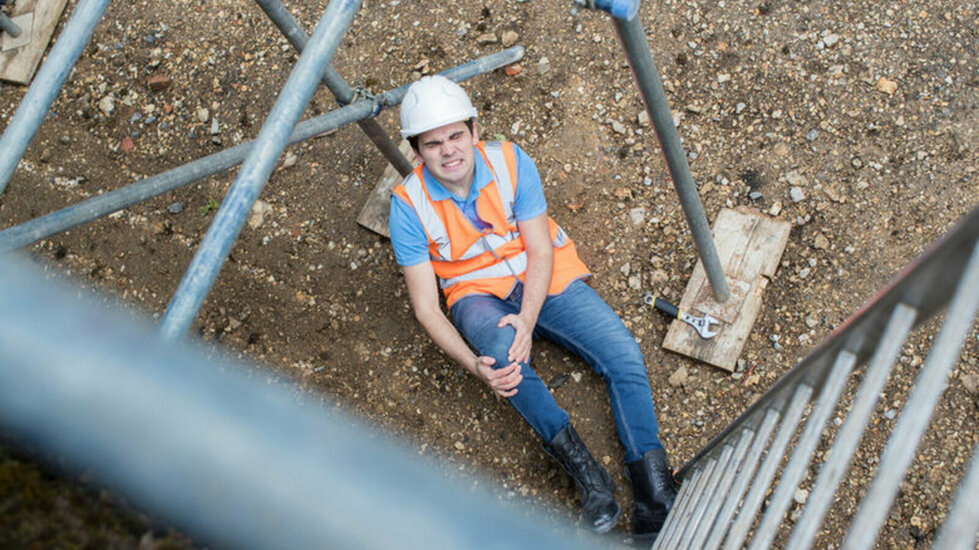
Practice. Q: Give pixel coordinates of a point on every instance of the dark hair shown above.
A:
(413, 140)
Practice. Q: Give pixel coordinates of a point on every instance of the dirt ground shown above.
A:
(856, 121)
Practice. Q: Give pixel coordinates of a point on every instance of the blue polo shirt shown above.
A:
(407, 234)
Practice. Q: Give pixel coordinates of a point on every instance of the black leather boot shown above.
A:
(599, 511)
(653, 492)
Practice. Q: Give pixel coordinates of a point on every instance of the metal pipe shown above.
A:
(107, 203)
(255, 171)
(647, 79)
(342, 91)
(201, 442)
(8, 26)
(47, 83)
(918, 409)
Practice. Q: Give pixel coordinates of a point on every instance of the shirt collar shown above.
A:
(482, 176)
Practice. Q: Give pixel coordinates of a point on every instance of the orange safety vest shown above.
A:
(469, 261)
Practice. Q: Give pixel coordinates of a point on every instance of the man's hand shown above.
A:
(503, 381)
(520, 348)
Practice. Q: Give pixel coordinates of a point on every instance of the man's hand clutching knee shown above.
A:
(502, 381)
(522, 340)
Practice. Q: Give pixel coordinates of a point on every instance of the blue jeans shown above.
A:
(579, 320)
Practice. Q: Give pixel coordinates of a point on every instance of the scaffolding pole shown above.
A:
(94, 208)
(651, 88)
(8, 26)
(48, 82)
(342, 91)
(254, 173)
(200, 441)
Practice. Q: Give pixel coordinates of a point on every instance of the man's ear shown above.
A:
(475, 132)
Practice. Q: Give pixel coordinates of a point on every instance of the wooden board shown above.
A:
(374, 214)
(749, 245)
(37, 19)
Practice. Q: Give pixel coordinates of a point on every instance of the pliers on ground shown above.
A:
(701, 324)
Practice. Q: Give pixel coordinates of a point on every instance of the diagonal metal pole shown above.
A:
(94, 208)
(342, 91)
(647, 79)
(8, 26)
(296, 93)
(47, 83)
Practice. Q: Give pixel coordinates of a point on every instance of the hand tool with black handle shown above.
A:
(701, 324)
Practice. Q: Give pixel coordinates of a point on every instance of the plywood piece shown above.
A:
(19, 57)
(749, 245)
(374, 214)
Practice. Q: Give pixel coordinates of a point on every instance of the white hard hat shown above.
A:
(431, 102)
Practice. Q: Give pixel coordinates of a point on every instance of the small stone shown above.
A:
(558, 381)
(831, 40)
(626, 268)
(290, 160)
(971, 383)
(158, 82)
(642, 118)
(755, 195)
(459, 446)
(776, 208)
(635, 282)
(796, 194)
(260, 210)
(203, 114)
(215, 128)
(812, 322)
(487, 38)
(804, 273)
(820, 242)
(679, 377)
(128, 144)
(107, 105)
(638, 215)
(618, 127)
(513, 70)
(795, 178)
(890, 414)
(800, 496)
(886, 86)
(510, 38)
(543, 65)
(739, 108)
(812, 135)
(176, 208)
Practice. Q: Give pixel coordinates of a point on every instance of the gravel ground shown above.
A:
(855, 121)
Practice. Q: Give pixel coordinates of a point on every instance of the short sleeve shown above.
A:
(529, 201)
(407, 234)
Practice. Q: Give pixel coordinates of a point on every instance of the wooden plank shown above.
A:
(374, 214)
(19, 57)
(749, 245)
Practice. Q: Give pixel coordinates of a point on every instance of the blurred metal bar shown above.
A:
(733, 497)
(647, 79)
(711, 493)
(714, 506)
(342, 91)
(687, 512)
(8, 26)
(919, 408)
(801, 456)
(208, 446)
(47, 83)
(773, 458)
(822, 494)
(961, 528)
(254, 173)
(91, 209)
(682, 499)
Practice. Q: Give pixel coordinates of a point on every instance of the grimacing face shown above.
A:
(447, 152)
